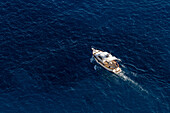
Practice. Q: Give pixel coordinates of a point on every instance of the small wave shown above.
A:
(91, 59)
(95, 67)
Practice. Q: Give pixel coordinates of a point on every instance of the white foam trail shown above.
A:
(126, 78)
(123, 66)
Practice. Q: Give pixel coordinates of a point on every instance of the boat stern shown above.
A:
(117, 70)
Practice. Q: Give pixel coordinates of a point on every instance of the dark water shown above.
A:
(46, 64)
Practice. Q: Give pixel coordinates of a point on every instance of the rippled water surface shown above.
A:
(46, 65)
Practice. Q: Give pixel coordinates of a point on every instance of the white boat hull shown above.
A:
(116, 70)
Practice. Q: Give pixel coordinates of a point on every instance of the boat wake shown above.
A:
(134, 84)
(125, 78)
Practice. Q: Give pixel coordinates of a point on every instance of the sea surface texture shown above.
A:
(46, 63)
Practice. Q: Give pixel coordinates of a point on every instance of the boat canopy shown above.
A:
(106, 56)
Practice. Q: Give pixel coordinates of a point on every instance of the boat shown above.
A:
(106, 60)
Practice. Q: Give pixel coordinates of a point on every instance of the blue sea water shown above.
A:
(46, 64)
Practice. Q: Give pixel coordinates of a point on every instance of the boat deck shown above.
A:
(112, 65)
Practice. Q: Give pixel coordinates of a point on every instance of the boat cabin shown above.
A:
(107, 60)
